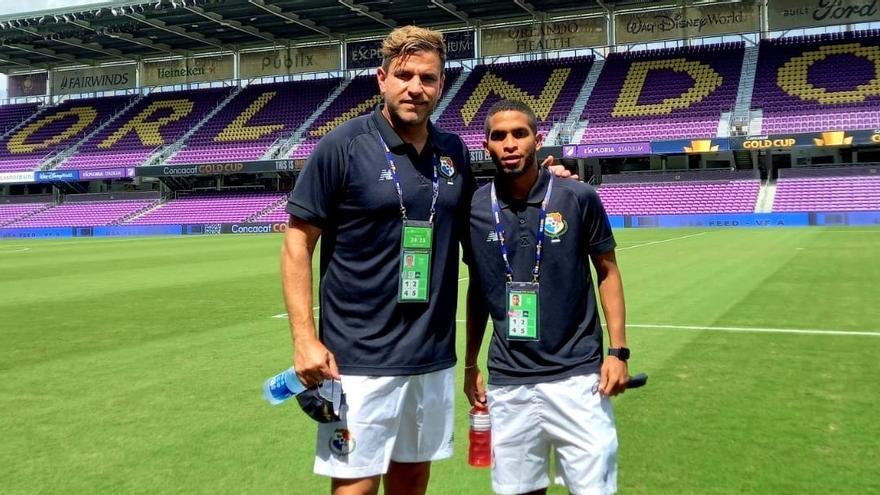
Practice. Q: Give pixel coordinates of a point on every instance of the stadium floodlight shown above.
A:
(114, 11)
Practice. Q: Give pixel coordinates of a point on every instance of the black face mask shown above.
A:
(317, 406)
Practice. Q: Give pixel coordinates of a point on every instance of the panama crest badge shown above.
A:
(447, 167)
(341, 442)
(555, 225)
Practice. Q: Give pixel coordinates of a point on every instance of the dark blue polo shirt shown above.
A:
(346, 189)
(570, 331)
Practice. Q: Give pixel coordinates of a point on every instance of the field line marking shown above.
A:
(749, 329)
(662, 241)
(13, 249)
(801, 331)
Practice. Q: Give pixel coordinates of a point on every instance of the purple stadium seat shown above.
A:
(56, 129)
(82, 214)
(209, 208)
(663, 94)
(159, 119)
(254, 120)
(817, 84)
(360, 97)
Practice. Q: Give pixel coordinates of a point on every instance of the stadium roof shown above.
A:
(131, 30)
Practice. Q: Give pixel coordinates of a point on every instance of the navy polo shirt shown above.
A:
(570, 333)
(346, 189)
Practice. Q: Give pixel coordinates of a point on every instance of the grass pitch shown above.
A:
(135, 366)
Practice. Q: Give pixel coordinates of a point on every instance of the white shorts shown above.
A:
(388, 418)
(566, 416)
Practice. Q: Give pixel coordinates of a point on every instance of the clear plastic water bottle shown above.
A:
(282, 386)
(480, 438)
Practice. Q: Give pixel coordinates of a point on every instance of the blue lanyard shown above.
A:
(435, 182)
(539, 237)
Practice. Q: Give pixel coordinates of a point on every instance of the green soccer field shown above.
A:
(136, 365)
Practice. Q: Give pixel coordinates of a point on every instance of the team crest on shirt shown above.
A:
(447, 167)
(555, 225)
(342, 443)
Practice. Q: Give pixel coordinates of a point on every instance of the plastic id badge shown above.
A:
(415, 261)
(522, 311)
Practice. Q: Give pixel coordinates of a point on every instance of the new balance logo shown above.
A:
(385, 175)
(492, 237)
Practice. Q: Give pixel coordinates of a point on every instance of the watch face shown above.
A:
(619, 353)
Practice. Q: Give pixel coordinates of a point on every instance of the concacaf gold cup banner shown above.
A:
(187, 70)
(788, 14)
(556, 35)
(687, 22)
(286, 61)
(111, 78)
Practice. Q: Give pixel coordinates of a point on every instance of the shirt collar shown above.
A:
(536, 193)
(390, 136)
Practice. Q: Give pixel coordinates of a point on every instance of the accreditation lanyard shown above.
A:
(522, 297)
(435, 182)
(416, 240)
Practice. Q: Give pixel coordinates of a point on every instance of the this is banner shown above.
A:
(285, 61)
(223, 168)
(789, 14)
(27, 85)
(187, 70)
(112, 78)
(539, 36)
(687, 22)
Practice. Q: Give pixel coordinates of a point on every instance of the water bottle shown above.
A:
(480, 437)
(282, 386)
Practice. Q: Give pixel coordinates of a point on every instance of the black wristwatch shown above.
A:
(621, 353)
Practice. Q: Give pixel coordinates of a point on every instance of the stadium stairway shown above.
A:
(449, 96)
(181, 143)
(586, 90)
(746, 86)
(286, 146)
(139, 213)
(267, 209)
(766, 196)
(59, 159)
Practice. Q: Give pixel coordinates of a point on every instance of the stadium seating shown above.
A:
(82, 214)
(254, 120)
(159, 119)
(360, 97)
(549, 87)
(208, 208)
(12, 212)
(828, 190)
(696, 192)
(673, 93)
(818, 83)
(56, 129)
